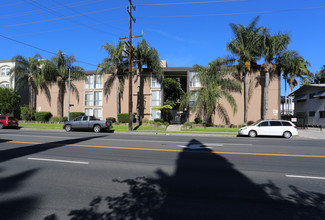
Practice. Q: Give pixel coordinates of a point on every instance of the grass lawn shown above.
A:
(212, 129)
(40, 125)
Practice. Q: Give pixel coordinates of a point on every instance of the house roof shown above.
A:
(306, 88)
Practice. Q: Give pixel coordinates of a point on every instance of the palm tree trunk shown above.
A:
(118, 109)
(266, 94)
(246, 97)
(30, 101)
(61, 99)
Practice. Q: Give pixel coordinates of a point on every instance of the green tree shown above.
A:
(27, 73)
(247, 46)
(215, 85)
(9, 101)
(57, 71)
(146, 56)
(172, 92)
(116, 66)
(316, 78)
(273, 45)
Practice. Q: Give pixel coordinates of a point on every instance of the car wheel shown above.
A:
(68, 128)
(97, 128)
(252, 134)
(287, 134)
(1, 126)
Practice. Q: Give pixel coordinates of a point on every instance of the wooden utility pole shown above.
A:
(130, 7)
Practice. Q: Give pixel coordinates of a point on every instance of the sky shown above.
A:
(185, 32)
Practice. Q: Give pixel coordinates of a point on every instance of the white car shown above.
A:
(270, 128)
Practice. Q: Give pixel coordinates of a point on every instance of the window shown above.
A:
(263, 124)
(96, 112)
(89, 98)
(89, 111)
(275, 123)
(311, 114)
(94, 98)
(4, 85)
(94, 81)
(154, 82)
(322, 114)
(156, 98)
(5, 71)
(155, 114)
(98, 98)
(78, 118)
(285, 123)
(193, 98)
(194, 81)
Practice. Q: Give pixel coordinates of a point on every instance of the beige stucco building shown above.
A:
(5, 66)
(93, 99)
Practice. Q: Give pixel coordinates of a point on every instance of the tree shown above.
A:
(273, 45)
(9, 100)
(57, 71)
(27, 72)
(172, 91)
(146, 56)
(215, 85)
(247, 47)
(114, 65)
(316, 78)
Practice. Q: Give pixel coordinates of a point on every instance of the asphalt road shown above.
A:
(54, 174)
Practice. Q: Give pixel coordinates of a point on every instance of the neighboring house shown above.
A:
(5, 66)
(287, 106)
(92, 99)
(310, 105)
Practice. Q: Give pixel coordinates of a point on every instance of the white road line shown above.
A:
(306, 177)
(60, 161)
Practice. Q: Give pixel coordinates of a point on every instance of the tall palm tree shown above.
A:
(273, 45)
(292, 65)
(116, 66)
(149, 57)
(247, 47)
(27, 72)
(58, 71)
(215, 85)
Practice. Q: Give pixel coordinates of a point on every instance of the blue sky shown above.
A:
(183, 34)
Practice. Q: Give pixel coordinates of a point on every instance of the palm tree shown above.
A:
(292, 65)
(273, 45)
(58, 72)
(216, 85)
(27, 72)
(247, 47)
(149, 57)
(114, 65)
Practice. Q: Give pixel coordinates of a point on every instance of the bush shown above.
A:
(198, 121)
(73, 115)
(145, 120)
(58, 119)
(124, 117)
(26, 113)
(43, 116)
(112, 119)
(158, 120)
(187, 124)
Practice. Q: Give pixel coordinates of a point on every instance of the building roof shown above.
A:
(307, 87)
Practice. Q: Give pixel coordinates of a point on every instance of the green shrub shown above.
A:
(166, 123)
(26, 113)
(43, 116)
(198, 120)
(58, 119)
(112, 119)
(187, 124)
(64, 119)
(124, 117)
(73, 115)
(145, 120)
(159, 123)
(158, 120)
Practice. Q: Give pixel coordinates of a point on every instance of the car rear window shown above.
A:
(2, 117)
(12, 118)
(285, 123)
(275, 123)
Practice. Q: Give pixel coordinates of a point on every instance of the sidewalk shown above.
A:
(312, 133)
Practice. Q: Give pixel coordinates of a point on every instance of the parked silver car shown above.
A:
(270, 128)
(87, 123)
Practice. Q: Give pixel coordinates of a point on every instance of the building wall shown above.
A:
(109, 103)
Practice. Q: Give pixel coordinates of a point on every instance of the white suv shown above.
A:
(270, 127)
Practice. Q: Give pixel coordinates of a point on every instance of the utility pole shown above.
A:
(130, 63)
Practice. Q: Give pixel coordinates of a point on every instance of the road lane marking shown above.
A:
(306, 177)
(55, 160)
(172, 150)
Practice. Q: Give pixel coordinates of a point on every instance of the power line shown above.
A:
(191, 3)
(61, 18)
(38, 48)
(17, 3)
(70, 28)
(239, 13)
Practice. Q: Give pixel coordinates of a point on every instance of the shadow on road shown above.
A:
(205, 185)
(21, 207)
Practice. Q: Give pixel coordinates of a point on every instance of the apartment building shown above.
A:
(5, 66)
(92, 97)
